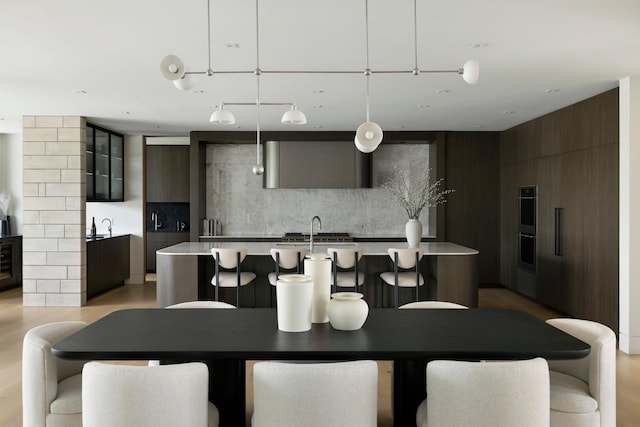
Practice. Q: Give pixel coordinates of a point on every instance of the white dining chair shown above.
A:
(404, 260)
(147, 396)
(486, 394)
(288, 259)
(583, 391)
(345, 272)
(51, 386)
(226, 259)
(432, 304)
(315, 394)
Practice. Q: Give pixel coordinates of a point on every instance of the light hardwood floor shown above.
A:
(16, 320)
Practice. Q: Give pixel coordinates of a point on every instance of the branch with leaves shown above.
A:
(413, 192)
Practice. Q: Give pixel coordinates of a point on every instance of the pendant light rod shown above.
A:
(367, 71)
(209, 71)
(416, 70)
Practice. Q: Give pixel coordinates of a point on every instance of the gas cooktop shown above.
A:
(318, 237)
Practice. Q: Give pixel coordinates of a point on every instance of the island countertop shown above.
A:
(263, 248)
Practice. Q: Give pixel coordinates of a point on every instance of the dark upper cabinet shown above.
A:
(167, 173)
(105, 165)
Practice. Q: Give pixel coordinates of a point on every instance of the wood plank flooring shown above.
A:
(16, 320)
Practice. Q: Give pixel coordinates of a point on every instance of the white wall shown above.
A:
(11, 176)
(127, 217)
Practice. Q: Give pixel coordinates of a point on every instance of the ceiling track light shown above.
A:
(368, 134)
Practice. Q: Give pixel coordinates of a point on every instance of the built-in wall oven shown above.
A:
(527, 219)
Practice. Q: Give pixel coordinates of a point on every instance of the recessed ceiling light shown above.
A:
(424, 105)
(477, 126)
(317, 91)
(231, 45)
(552, 90)
(443, 90)
(198, 91)
(126, 113)
(317, 127)
(508, 112)
(398, 127)
(80, 92)
(317, 106)
(479, 45)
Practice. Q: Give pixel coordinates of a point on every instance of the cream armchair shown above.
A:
(583, 391)
(51, 387)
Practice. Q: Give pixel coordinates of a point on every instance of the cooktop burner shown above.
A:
(318, 237)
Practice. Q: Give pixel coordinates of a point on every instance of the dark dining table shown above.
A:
(226, 339)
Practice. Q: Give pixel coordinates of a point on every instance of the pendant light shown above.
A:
(369, 134)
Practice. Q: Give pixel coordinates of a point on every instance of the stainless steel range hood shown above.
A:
(315, 164)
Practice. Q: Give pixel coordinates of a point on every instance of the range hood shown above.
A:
(315, 164)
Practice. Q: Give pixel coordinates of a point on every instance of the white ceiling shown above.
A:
(541, 55)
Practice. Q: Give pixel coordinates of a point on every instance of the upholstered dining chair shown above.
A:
(288, 259)
(346, 259)
(231, 259)
(195, 304)
(432, 304)
(315, 394)
(403, 260)
(51, 387)
(147, 396)
(486, 394)
(583, 391)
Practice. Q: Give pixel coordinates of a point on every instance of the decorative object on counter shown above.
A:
(318, 266)
(413, 192)
(211, 227)
(347, 311)
(94, 230)
(294, 295)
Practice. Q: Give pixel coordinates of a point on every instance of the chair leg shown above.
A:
(395, 274)
(417, 277)
(238, 280)
(217, 274)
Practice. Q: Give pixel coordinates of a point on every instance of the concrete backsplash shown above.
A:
(235, 196)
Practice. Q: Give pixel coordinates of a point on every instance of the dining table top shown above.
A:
(252, 333)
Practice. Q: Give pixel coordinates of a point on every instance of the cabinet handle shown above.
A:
(558, 240)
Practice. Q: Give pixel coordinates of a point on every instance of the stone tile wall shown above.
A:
(54, 249)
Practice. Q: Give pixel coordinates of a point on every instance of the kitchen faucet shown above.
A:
(154, 218)
(109, 228)
(311, 235)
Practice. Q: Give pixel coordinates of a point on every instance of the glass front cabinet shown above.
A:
(105, 165)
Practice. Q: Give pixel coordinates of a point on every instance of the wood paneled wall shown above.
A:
(572, 156)
(472, 213)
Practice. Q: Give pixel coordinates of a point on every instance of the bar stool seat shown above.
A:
(231, 259)
(404, 259)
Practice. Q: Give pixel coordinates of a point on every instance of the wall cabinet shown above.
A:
(167, 173)
(105, 165)
(159, 240)
(10, 262)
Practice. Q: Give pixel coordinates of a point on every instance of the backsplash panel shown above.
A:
(235, 196)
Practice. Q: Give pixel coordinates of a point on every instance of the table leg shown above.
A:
(227, 390)
(409, 390)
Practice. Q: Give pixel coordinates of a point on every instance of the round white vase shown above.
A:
(294, 293)
(347, 311)
(413, 231)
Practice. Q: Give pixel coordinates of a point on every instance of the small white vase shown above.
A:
(294, 293)
(347, 311)
(413, 231)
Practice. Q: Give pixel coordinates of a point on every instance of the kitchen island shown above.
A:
(185, 270)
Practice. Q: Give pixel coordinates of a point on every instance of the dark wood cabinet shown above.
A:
(167, 173)
(108, 264)
(10, 262)
(575, 171)
(159, 240)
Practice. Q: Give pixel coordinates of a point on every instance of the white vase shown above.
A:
(347, 311)
(294, 293)
(319, 268)
(413, 231)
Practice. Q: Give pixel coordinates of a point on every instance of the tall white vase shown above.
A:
(318, 266)
(413, 231)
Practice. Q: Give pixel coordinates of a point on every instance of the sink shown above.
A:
(318, 244)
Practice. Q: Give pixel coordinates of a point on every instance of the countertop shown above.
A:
(101, 237)
(262, 248)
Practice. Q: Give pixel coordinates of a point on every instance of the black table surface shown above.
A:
(252, 334)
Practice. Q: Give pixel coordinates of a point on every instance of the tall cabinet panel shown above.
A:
(576, 174)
